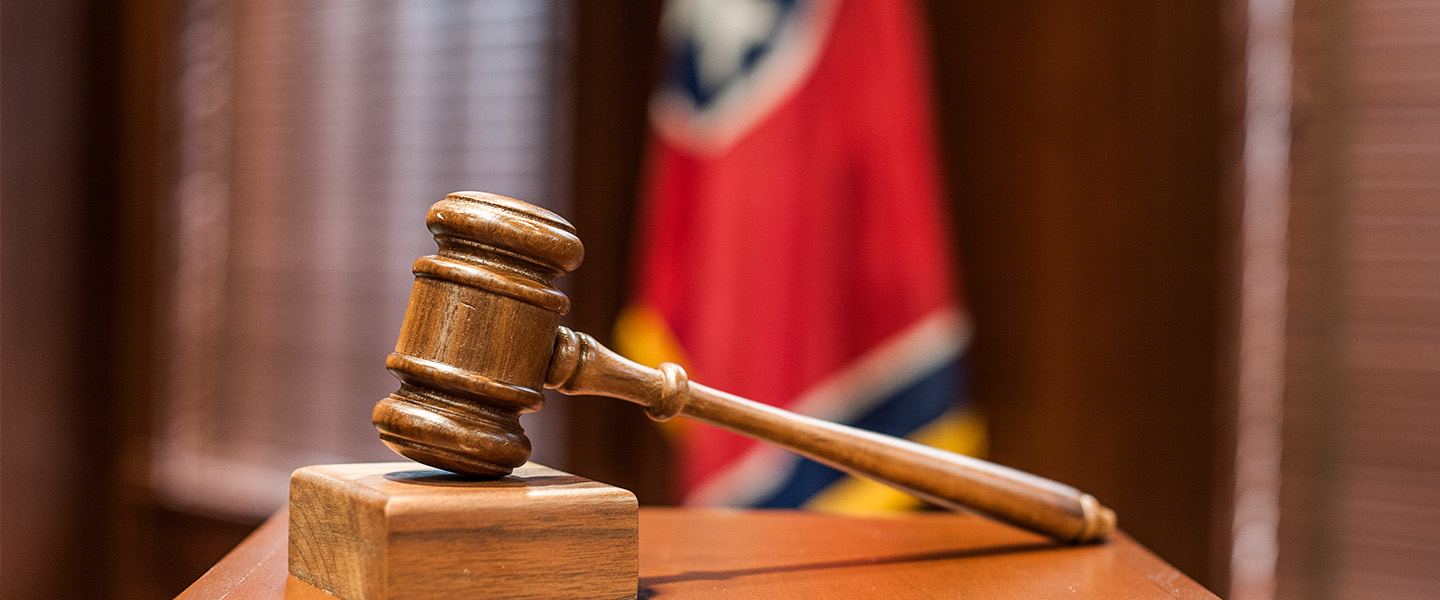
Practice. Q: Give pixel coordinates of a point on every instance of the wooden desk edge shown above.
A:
(1157, 571)
(257, 569)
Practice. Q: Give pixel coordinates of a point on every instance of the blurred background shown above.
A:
(1198, 242)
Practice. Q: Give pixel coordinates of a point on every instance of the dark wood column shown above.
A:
(1082, 152)
(614, 72)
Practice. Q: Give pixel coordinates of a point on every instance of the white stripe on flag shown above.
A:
(913, 353)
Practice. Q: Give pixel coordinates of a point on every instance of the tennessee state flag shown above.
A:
(793, 242)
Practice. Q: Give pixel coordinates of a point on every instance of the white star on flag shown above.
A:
(723, 32)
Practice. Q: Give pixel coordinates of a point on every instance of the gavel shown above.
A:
(482, 336)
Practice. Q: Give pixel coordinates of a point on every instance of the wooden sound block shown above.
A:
(402, 530)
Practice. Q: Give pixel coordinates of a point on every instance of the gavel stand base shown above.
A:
(403, 530)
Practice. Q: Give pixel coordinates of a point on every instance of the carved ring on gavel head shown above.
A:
(482, 336)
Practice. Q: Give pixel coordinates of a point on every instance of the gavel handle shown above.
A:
(581, 365)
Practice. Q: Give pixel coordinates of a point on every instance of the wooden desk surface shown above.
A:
(690, 554)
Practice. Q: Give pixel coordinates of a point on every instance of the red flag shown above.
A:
(794, 245)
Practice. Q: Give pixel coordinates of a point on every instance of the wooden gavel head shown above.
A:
(478, 334)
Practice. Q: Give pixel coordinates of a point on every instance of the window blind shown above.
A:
(313, 136)
(1360, 489)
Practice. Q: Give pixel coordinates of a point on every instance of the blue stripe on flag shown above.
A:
(899, 415)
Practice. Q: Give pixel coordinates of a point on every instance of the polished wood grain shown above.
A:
(401, 530)
(481, 336)
(690, 554)
(477, 334)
